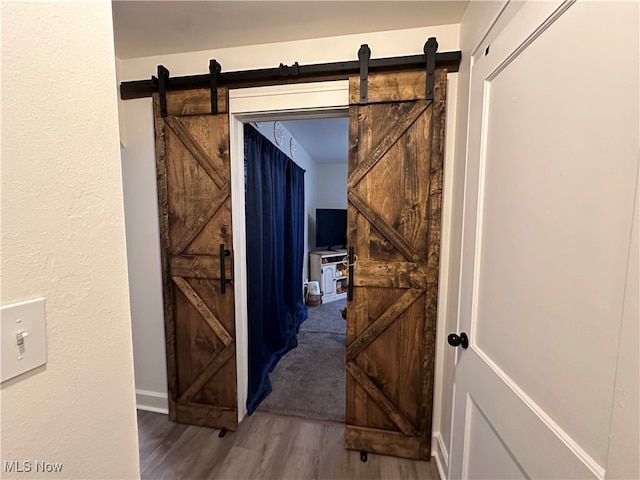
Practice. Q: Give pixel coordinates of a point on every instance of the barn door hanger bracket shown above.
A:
(364, 54)
(430, 49)
(214, 73)
(305, 73)
(160, 83)
(288, 71)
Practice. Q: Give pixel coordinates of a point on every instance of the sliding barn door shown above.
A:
(192, 150)
(394, 190)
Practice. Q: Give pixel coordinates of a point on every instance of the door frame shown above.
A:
(280, 102)
(321, 100)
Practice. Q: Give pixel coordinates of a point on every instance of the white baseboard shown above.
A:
(440, 454)
(152, 401)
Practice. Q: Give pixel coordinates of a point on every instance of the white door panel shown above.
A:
(537, 444)
(552, 161)
(486, 448)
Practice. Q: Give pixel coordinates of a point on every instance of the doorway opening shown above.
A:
(309, 380)
(266, 106)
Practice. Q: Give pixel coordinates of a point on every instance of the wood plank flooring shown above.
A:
(266, 446)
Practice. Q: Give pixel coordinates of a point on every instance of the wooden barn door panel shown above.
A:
(193, 167)
(394, 192)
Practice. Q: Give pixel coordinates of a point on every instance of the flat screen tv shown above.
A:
(331, 228)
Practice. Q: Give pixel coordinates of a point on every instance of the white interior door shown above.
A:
(552, 170)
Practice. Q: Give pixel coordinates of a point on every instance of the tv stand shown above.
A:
(326, 268)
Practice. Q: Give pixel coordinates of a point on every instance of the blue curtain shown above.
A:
(275, 251)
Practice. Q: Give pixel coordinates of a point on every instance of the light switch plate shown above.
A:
(24, 323)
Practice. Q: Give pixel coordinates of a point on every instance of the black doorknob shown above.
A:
(458, 340)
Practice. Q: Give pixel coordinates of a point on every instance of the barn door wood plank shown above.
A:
(208, 373)
(167, 286)
(202, 157)
(195, 217)
(207, 416)
(195, 102)
(398, 275)
(436, 164)
(389, 140)
(394, 199)
(383, 226)
(376, 440)
(201, 221)
(197, 266)
(357, 311)
(390, 87)
(381, 399)
(207, 314)
(382, 322)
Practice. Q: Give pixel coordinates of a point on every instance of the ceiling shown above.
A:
(326, 140)
(145, 28)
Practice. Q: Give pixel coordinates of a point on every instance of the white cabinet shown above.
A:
(327, 269)
(328, 284)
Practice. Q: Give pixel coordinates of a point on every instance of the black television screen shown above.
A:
(331, 228)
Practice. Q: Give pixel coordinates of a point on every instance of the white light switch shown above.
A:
(24, 337)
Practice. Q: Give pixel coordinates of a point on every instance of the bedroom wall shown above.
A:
(139, 149)
(63, 239)
(332, 185)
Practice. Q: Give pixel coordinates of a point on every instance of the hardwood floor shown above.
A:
(266, 446)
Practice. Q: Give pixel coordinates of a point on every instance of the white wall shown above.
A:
(145, 280)
(332, 185)
(329, 49)
(139, 148)
(63, 239)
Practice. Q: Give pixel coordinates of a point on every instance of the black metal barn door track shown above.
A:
(296, 73)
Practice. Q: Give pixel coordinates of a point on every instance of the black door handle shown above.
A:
(223, 280)
(352, 261)
(458, 340)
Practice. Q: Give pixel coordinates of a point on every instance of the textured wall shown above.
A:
(63, 239)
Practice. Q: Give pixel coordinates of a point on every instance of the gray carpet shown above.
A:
(309, 381)
(326, 318)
